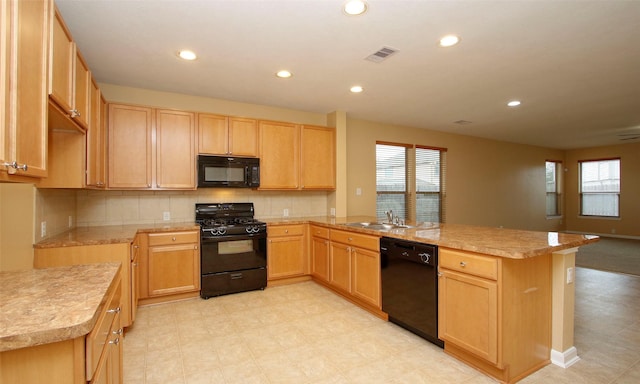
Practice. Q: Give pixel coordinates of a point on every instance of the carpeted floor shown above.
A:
(611, 254)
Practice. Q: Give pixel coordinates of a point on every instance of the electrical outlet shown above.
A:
(285, 213)
(166, 215)
(70, 221)
(43, 229)
(358, 191)
(333, 212)
(569, 275)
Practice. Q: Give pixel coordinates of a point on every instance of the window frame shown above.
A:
(410, 193)
(582, 193)
(558, 180)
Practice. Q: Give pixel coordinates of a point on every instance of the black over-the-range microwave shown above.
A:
(231, 172)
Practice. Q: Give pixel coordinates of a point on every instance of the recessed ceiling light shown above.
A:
(514, 103)
(284, 74)
(449, 40)
(187, 55)
(355, 7)
(356, 89)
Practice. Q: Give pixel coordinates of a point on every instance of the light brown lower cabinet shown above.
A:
(320, 251)
(169, 266)
(495, 312)
(286, 251)
(95, 358)
(354, 267)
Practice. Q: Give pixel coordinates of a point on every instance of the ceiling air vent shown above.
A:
(462, 122)
(382, 54)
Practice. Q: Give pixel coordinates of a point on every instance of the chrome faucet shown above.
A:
(389, 214)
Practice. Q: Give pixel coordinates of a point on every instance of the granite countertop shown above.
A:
(110, 234)
(502, 242)
(42, 306)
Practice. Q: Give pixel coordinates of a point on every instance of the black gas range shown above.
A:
(233, 249)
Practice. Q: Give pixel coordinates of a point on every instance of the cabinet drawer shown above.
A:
(356, 239)
(98, 338)
(470, 263)
(166, 238)
(285, 230)
(320, 232)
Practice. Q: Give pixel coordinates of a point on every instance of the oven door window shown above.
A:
(235, 247)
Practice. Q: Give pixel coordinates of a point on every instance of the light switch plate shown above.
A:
(166, 215)
(570, 275)
(285, 213)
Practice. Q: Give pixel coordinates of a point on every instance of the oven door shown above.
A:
(233, 253)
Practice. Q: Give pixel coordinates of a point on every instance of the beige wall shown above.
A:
(629, 222)
(55, 206)
(17, 205)
(116, 93)
(489, 183)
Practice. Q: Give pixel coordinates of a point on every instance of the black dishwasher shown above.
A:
(410, 286)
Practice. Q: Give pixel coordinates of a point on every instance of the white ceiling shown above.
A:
(574, 64)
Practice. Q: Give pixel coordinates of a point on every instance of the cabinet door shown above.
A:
(243, 137)
(320, 258)
(81, 96)
(340, 266)
(175, 150)
(285, 257)
(130, 160)
(366, 276)
(135, 276)
(213, 134)
(468, 313)
(318, 165)
(279, 155)
(173, 269)
(96, 140)
(25, 38)
(63, 59)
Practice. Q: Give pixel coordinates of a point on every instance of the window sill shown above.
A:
(613, 218)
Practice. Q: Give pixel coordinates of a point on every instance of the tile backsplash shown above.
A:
(95, 208)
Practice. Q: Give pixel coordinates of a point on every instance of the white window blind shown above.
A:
(553, 187)
(600, 188)
(429, 169)
(391, 180)
(410, 180)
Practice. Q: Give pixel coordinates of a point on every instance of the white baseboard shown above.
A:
(565, 359)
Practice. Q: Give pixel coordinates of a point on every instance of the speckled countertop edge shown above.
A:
(42, 306)
(501, 242)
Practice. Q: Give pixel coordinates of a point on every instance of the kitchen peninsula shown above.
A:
(60, 320)
(518, 280)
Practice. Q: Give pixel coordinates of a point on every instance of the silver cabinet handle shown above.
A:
(286, 231)
(118, 332)
(116, 310)
(173, 238)
(115, 342)
(15, 165)
(463, 264)
(195, 247)
(74, 113)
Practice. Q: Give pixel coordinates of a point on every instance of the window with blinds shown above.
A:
(600, 187)
(553, 187)
(410, 181)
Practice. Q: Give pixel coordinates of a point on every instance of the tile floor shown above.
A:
(305, 334)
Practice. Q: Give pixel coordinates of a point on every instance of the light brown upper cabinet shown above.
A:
(279, 155)
(151, 148)
(224, 135)
(296, 156)
(175, 150)
(69, 77)
(96, 140)
(318, 163)
(24, 52)
(130, 156)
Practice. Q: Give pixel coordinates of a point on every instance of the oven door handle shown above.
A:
(236, 276)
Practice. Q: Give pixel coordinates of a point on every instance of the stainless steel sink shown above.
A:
(378, 226)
